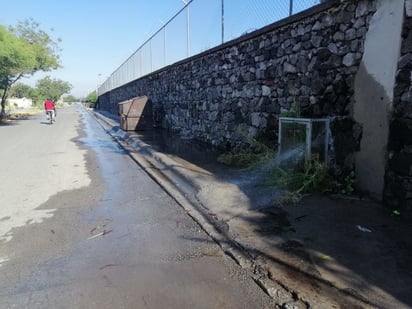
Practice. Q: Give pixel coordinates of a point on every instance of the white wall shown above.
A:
(374, 86)
(20, 103)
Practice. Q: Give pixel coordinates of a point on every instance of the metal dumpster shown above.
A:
(136, 114)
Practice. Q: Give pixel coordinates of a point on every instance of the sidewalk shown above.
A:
(321, 253)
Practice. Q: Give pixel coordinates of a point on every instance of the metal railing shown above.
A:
(198, 26)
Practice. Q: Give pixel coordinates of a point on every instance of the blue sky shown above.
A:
(99, 35)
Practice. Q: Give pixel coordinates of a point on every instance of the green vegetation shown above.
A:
(346, 184)
(46, 88)
(25, 50)
(307, 177)
(20, 90)
(52, 89)
(69, 99)
(92, 98)
(247, 157)
(312, 176)
(294, 112)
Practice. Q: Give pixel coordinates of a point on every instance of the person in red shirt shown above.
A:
(50, 106)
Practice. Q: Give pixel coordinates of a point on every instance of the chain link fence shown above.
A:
(199, 26)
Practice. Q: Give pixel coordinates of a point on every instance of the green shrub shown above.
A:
(345, 185)
(247, 156)
(311, 176)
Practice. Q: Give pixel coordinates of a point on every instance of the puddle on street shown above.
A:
(204, 155)
(101, 144)
(93, 138)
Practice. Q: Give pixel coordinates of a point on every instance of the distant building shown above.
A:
(20, 102)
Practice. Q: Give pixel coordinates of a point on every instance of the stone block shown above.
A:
(289, 68)
(349, 59)
(363, 8)
(266, 91)
(407, 44)
(407, 97)
(405, 61)
(338, 36)
(344, 139)
(350, 34)
(408, 8)
(400, 134)
(401, 163)
(360, 22)
(316, 40)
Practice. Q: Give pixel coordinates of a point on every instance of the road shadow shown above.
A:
(319, 237)
(14, 119)
(8, 123)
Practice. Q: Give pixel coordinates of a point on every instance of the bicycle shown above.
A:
(50, 116)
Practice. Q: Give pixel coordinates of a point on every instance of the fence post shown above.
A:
(187, 27)
(223, 21)
(164, 46)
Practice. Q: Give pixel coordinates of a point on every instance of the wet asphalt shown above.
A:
(314, 248)
(119, 242)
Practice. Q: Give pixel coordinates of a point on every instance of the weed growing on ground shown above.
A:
(312, 176)
(247, 157)
(347, 185)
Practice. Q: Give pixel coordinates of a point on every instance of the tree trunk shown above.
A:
(3, 112)
(3, 102)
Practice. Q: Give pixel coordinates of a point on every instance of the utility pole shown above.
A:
(150, 51)
(99, 85)
(187, 27)
(164, 43)
(223, 21)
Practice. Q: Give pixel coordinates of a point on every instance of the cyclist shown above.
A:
(50, 106)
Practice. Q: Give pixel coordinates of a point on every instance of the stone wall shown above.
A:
(398, 180)
(235, 92)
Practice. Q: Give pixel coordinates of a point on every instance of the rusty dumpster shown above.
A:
(136, 114)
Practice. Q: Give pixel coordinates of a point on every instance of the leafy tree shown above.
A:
(25, 50)
(92, 97)
(52, 89)
(21, 90)
(70, 99)
(15, 56)
(37, 97)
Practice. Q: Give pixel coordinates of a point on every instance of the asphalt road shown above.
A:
(83, 226)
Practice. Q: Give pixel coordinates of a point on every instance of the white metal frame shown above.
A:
(308, 143)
